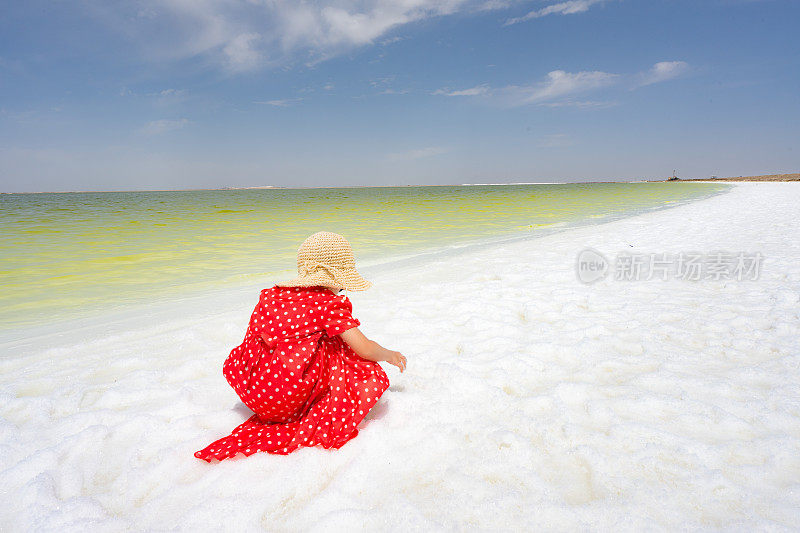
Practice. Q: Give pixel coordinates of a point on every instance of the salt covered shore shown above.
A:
(531, 401)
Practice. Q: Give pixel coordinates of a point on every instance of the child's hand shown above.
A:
(396, 358)
(371, 350)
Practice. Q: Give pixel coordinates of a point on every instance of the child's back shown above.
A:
(304, 383)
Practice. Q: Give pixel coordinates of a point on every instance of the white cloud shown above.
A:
(242, 35)
(417, 154)
(157, 127)
(163, 97)
(285, 102)
(166, 93)
(168, 97)
(663, 71)
(474, 91)
(241, 53)
(385, 85)
(560, 83)
(391, 40)
(570, 7)
(557, 84)
(382, 82)
(559, 87)
(580, 104)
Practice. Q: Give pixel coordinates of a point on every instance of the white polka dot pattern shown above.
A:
(304, 384)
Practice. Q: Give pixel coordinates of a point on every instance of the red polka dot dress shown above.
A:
(305, 385)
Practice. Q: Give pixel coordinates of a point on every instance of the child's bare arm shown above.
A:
(371, 350)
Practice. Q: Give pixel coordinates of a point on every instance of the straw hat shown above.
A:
(327, 259)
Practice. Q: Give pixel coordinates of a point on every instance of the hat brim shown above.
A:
(348, 279)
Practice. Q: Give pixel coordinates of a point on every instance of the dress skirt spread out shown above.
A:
(304, 384)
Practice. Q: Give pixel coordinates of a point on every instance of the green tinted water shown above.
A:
(67, 255)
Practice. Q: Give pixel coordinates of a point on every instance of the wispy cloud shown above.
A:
(474, 91)
(559, 88)
(247, 35)
(417, 154)
(169, 97)
(663, 71)
(382, 82)
(580, 104)
(556, 84)
(242, 52)
(570, 7)
(285, 102)
(171, 93)
(163, 97)
(158, 127)
(384, 85)
(391, 40)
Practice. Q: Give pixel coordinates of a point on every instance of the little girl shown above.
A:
(304, 368)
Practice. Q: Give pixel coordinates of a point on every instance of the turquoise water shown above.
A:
(73, 254)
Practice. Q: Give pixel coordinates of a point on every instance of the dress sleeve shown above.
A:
(257, 318)
(339, 317)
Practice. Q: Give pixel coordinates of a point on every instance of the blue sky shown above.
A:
(129, 95)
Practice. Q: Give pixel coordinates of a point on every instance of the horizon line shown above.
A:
(279, 187)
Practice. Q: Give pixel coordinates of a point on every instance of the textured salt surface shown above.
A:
(530, 401)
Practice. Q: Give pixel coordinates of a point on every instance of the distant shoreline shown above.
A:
(766, 177)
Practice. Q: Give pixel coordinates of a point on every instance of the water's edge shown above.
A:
(118, 319)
